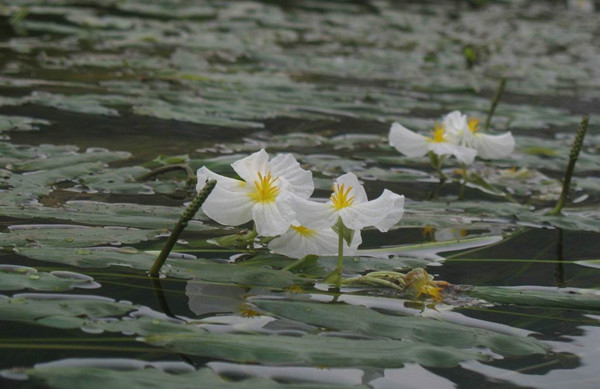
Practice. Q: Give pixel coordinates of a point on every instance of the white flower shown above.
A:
(300, 241)
(440, 143)
(466, 131)
(349, 202)
(234, 202)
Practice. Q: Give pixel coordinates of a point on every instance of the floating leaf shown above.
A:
(57, 235)
(29, 307)
(420, 330)
(566, 298)
(145, 375)
(20, 123)
(13, 277)
(312, 350)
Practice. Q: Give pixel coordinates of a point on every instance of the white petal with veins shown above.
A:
(494, 146)
(300, 180)
(407, 142)
(228, 204)
(249, 167)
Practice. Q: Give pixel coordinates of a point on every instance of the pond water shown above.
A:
(94, 95)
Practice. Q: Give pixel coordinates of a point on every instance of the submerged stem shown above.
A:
(495, 101)
(573, 155)
(187, 215)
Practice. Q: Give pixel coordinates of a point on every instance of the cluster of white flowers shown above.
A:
(275, 194)
(458, 135)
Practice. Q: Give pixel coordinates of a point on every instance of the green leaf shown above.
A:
(101, 257)
(29, 307)
(57, 235)
(566, 298)
(419, 330)
(14, 277)
(311, 350)
(144, 375)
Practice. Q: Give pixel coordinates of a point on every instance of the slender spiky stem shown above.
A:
(573, 155)
(188, 214)
(495, 101)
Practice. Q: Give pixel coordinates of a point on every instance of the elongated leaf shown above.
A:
(419, 330)
(28, 307)
(101, 257)
(312, 350)
(13, 277)
(65, 377)
(72, 236)
(567, 298)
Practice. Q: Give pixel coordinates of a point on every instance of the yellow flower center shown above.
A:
(304, 231)
(341, 196)
(438, 134)
(265, 190)
(474, 124)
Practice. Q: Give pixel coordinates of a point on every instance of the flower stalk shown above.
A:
(573, 155)
(187, 215)
(495, 101)
(335, 277)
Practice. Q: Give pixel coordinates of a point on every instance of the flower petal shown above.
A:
(309, 213)
(269, 219)
(442, 148)
(395, 213)
(465, 154)
(383, 212)
(407, 142)
(494, 146)
(357, 190)
(204, 174)
(297, 245)
(249, 167)
(285, 166)
(228, 203)
(456, 123)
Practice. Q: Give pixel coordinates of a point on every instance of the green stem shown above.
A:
(437, 162)
(340, 261)
(249, 237)
(169, 168)
(573, 155)
(372, 281)
(495, 101)
(336, 275)
(297, 263)
(188, 214)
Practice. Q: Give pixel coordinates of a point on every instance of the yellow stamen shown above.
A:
(304, 231)
(247, 311)
(434, 292)
(438, 134)
(474, 124)
(428, 231)
(340, 196)
(265, 190)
